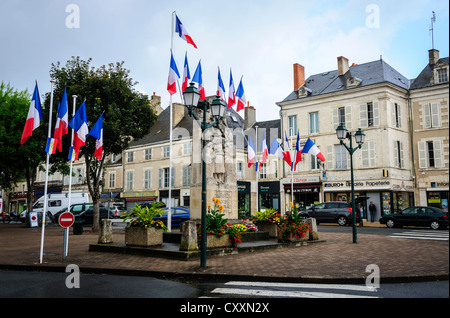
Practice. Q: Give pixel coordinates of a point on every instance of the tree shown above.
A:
(127, 114)
(18, 162)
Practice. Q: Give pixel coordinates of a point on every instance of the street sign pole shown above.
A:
(66, 220)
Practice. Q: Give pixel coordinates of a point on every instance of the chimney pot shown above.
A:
(299, 76)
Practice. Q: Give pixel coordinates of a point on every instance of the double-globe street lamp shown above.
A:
(343, 133)
(218, 107)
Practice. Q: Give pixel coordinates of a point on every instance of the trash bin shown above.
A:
(78, 227)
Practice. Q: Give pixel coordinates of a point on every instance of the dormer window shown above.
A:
(304, 91)
(442, 76)
(353, 81)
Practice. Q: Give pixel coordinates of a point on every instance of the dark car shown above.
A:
(331, 212)
(178, 215)
(417, 216)
(88, 216)
(74, 209)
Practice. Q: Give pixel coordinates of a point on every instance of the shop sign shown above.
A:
(310, 179)
(439, 184)
(143, 194)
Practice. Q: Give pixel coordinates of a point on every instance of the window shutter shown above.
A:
(435, 118)
(363, 116)
(365, 155)
(329, 157)
(372, 158)
(395, 153)
(402, 160)
(173, 177)
(427, 116)
(160, 178)
(348, 117)
(399, 111)
(335, 118)
(376, 113)
(422, 154)
(438, 158)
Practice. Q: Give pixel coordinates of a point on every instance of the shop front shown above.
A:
(244, 202)
(269, 195)
(306, 191)
(133, 198)
(437, 195)
(388, 196)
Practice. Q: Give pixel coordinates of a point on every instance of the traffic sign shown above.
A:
(66, 219)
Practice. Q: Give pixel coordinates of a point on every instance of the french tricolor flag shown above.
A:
(97, 133)
(240, 94)
(173, 76)
(186, 74)
(197, 78)
(231, 93)
(312, 149)
(62, 122)
(179, 27)
(34, 116)
(79, 124)
(250, 152)
(264, 150)
(220, 87)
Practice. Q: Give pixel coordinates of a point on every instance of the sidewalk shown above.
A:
(335, 260)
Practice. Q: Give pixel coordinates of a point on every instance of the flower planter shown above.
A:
(268, 227)
(292, 238)
(213, 241)
(140, 236)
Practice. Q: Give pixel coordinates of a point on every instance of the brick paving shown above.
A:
(335, 259)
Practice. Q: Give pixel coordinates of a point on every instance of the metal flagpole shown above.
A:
(256, 170)
(44, 213)
(66, 230)
(292, 175)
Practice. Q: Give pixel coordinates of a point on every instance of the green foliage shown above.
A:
(145, 216)
(267, 216)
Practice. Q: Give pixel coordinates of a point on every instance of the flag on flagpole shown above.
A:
(231, 92)
(287, 153)
(197, 78)
(264, 150)
(34, 116)
(62, 122)
(240, 94)
(97, 133)
(250, 152)
(298, 154)
(79, 124)
(220, 87)
(186, 74)
(312, 149)
(51, 146)
(275, 149)
(182, 32)
(173, 76)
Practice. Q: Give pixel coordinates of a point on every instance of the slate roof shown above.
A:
(368, 73)
(424, 78)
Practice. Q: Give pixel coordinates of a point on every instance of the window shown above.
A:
(186, 176)
(314, 123)
(292, 124)
(147, 179)
(432, 116)
(431, 154)
(130, 175)
(187, 148)
(341, 114)
(368, 154)
(148, 154)
(340, 157)
(442, 75)
(263, 171)
(166, 151)
(240, 169)
(398, 154)
(369, 114)
(396, 116)
(130, 157)
(112, 180)
(164, 177)
(314, 162)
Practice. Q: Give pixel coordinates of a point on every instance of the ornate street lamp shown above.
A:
(342, 133)
(218, 107)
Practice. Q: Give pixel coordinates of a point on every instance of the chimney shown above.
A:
(433, 56)
(299, 76)
(342, 65)
(250, 117)
(177, 113)
(155, 101)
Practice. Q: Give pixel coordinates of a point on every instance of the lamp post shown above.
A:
(342, 133)
(218, 107)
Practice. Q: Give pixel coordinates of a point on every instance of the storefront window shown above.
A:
(438, 199)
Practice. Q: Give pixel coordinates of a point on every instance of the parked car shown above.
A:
(331, 212)
(74, 208)
(178, 215)
(87, 216)
(417, 216)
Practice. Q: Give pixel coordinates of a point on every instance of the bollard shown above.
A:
(189, 240)
(105, 236)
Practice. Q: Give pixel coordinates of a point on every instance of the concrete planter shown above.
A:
(140, 236)
(268, 227)
(213, 241)
(292, 238)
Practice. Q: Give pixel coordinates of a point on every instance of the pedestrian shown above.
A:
(372, 210)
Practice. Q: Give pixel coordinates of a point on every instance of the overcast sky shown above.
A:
(259, 39)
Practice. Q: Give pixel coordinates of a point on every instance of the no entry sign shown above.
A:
(66, 219)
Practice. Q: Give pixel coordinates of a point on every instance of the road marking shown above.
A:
(422, 235)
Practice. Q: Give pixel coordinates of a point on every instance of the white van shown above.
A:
(55, 203)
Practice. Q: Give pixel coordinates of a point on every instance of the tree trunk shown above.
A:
(93, 174)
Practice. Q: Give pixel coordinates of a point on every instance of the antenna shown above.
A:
(433, 19)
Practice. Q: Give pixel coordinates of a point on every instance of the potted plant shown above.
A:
(293, 228)
(143, 229)
(216, 228)
(268, 221)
